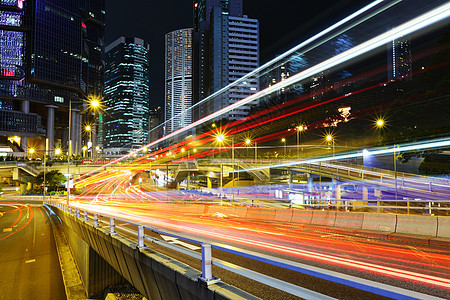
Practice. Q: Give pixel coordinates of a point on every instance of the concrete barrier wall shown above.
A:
(113, 258)
(283, 215)
(379, 222)
(302, 216)
(349, 220)
(443, 227)
(327, 217)
(421, 225)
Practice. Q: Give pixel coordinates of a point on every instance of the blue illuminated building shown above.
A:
(51, 56)
(125, 124)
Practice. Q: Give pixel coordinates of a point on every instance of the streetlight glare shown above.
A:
(31, 150)
(380, 122)
(220, 138)
(88, 128)
(329, 138)
(283, 140)
(57, 151)
(95, 103)
(248, 141)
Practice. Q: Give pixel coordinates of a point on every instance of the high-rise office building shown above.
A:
(155, 124)
(234, 54)
(225, 42)
(178, 79)
(125, 123)
(399, 59)
(50, 59)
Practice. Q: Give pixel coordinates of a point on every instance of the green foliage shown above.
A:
(53, 179)
(435, 164)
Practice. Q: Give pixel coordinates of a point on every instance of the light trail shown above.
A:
(427, 19)
(227, 231)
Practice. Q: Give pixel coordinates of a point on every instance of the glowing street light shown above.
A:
(380, 123)
(88, 128)
(283, 140)
(329, 138)
(58, 151)
(220, 138)
(300, 129)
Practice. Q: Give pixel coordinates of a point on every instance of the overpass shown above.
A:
(111, 245)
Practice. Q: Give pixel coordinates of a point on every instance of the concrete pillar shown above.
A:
(94, 139)
(25, 106)
(51, 128)
(80, 133)
(74, 130)
(208, 183)
(290, 179)
(365, 194)
(310, 184)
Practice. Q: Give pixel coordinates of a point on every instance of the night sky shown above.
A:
(282, 26)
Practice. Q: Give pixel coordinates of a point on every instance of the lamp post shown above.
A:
(283, 140)
(329, 138)
(84, 150)
(45, 166)
(88, 128)
(95, 104)
(300, 128)
(220, 138)
(69, 152)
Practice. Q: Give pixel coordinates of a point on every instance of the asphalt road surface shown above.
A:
(29, 266)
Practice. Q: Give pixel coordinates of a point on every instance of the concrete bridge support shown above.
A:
(105, 258)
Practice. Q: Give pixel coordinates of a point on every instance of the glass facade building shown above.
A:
(178, 79)
(125, 123)
(50, 56)
(226, 47)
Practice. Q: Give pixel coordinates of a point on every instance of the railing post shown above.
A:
(141, 236)
(111, 226)
(85, 216)
(95, 220)
(206, 262)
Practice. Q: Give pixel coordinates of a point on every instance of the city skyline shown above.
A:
(277, 26)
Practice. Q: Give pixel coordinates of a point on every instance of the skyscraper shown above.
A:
(125, 123)
(234, 54)
(50, 58)
(226, 47)
(178, 79)
(399, 59)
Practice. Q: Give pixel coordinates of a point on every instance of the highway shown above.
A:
(29, 265)
(415, 267)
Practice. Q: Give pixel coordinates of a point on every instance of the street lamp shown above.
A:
(380, 123)
(299, 128)
(89, 129)
(220, 138)
(329, 138)
(84, 150)
(283, 140)
(94, 104)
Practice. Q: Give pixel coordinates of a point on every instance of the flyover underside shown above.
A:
(104, 259)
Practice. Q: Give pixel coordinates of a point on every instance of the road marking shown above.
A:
(7, 229)
(259, 231)
(174, 240)
(30, 261)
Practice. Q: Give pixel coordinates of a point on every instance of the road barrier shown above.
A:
(352, 220)
(158, 276)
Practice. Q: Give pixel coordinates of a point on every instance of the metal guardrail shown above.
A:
(208, 261)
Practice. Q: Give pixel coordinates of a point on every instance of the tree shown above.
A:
(53, 179)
